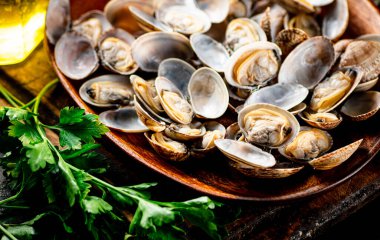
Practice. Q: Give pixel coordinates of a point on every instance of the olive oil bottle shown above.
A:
(21, 28)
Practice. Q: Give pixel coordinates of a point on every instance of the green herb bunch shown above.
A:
(57, 195)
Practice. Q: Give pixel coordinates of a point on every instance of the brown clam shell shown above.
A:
(288, 39)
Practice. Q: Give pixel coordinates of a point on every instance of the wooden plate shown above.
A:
(213, 176)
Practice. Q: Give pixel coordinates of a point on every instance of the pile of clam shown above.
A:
(172, 68)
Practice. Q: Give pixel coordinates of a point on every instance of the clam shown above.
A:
(285, 96)
(173, 102)
(363, 54)
(217, 10)
(167, 147)
(184, 19)
(185, 132)
(245, 153)
(146, 93)
(298, 108)
(305, 22)
(288, 39)
(107, 91)
(267, 125)
(361, 106)
(241, 32)
(165, 3)
(148, 22)
(308, 63)
(118, 14)
(335, 21)
(365, 86)
(234, 132)
(115, 52)
(58, 19)
(209, 51)
(253, 65)
(76, 58)
(311, 146)
(238, 9)
(150, 49)
(149, 120)
(332, 91)
(324, 120)
(296, 6)
(370, 37)
(320, 3)
(92, 25)
(178, 72)
(340, 47)
(206, 144)
(208, 93)
(123, 119)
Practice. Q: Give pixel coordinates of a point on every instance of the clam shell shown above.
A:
(308, 63)
(196, 150)
(282, 95)
(148, 22)
(165, 152)
(288, 39)
(362, 105)
(296, 6)
(150, 49)
(245, 153)
(150, 121)
(278, 171)
(122, 36)
(178, 72)
(295, 127)
(234, 132)
(209, 51)
(335, 158)
(320, 3)
(76, 58)
(217, 10)
(172, 132)
(58, 19)
(335, 21)
(124, 80)
(123, 119)
(118, 14)
(244, 52)
(322, 125)
(306, 23)
(208, 93)
(298, 108)
(370, 37)
(365, 86)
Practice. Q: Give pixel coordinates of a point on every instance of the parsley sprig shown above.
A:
(57, 186)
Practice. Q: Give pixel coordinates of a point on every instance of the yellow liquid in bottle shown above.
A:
(21, 28)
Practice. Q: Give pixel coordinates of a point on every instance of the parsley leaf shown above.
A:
(39, 154)
(26, 132)
(96, 205)
(17, 114)
(70, 115)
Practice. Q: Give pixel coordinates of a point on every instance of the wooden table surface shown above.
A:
(304, 219)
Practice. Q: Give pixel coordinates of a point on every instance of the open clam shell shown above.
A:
(183, 133)
(282, 95)
(149, 120)
(118, 14)
(173, 102)
(241, 32)
(148, 22)
(326, 121)
(107, 91)
(115, 52)
(123, 119)
(258, 121)
(92, 25)
(245, 153)
(166, 147)
(308, 63)
(239, 71)
(288, 39)
(306, 23)
(335, 21)
(335, 89)
(184, 19)
(234, 132)
(206, 144)
(296, 6)
(58, 19)
(146, 92)
(335, 158)
(150, 49)
(298, 108)
(178, 72)
(310, 143)
(280, 170)
(365, 86)
(320, 3)
(361, 106)
(217, 10)
(208, 93)
(76, 58)
(209, 51)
